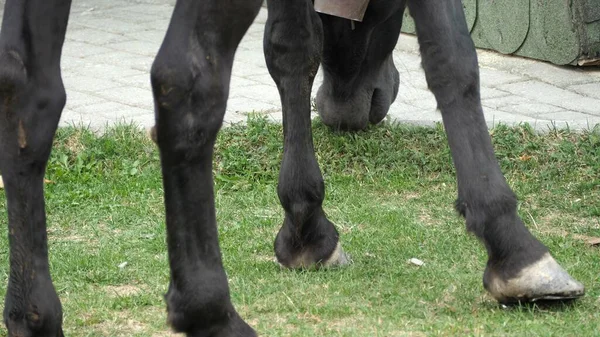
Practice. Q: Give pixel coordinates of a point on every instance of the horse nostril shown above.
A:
(380, 104)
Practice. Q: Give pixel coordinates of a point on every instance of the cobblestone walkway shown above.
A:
(110, 46)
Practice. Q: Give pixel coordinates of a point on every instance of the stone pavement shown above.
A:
(110, 46)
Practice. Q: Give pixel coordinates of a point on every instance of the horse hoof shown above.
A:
(542, 280)
(338, 258)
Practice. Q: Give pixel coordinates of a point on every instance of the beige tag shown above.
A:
(349, 9)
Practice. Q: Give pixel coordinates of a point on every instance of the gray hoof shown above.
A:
(306, 261)
(543, 280)
(338, 258)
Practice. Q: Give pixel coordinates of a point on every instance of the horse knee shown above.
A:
(13, 75)
(451, 70)
(190, 99)
(31, 105)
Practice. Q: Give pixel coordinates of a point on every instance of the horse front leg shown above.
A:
(293, 47)
(32, 97)
(190, 81)
(520, 267)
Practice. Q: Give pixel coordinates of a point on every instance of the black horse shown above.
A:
(190, 81)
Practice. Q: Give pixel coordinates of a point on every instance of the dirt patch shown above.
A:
(265, 258)
(553, 223)
(127, 323)
(74, 144)
(123, 325)
(122, 290)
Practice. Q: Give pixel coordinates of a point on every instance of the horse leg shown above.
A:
(32, 97)
(292, 45)
(190, 82)
(519, 267)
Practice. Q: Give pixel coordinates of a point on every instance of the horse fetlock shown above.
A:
(543, 279)
(301, 190)
(483, 214)
(202, 304)
(41, 316)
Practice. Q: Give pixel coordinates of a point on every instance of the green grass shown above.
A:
(390, 192)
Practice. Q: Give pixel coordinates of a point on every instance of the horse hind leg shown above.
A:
(190, 82)
(32, 97)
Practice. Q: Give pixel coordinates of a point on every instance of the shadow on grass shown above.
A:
(542, 305)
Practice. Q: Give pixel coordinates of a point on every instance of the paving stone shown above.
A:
(531, 109)
(128, 95)
(141, 81)
(138, 47)
(237, 81)
(487, 92)
(255, 57)
(77, 99)
(405, 112)
(96, 123)
(94, 36)
(408, 93)
(232, 118)
(111, 25)
(83, 6)
(407, 43)
(87, 84)
(158, 24)
(261, 18)
(121, 63)
(112, 110)
(572, 115)
(268, 80)
(121, 15)
(557, 75)
(414, 79)
(589, 89)
(243, 69)
(106, 71)
(110, 46)
(490, 77)
(510, 64)
(405, 62)
(557, 96)
(259, 92)
(499, 102)
(401, 108)
(68, 117)
(254, 36)
(146, 121)
(256, 28)
(427, 104)
(239, 104)
(152, 36)
(81, 49)
(162, 10)
(70, 65)
(494, 117)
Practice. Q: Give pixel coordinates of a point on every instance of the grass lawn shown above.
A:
(390, 192)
